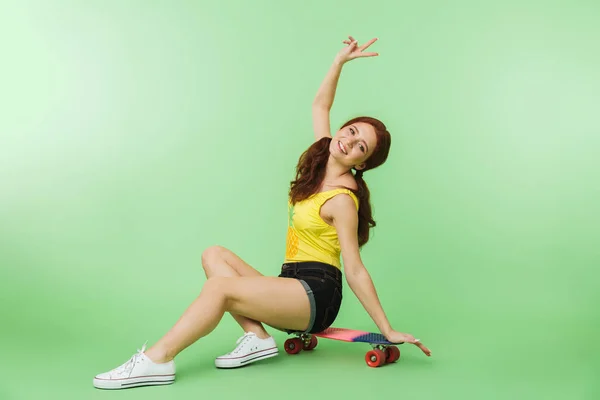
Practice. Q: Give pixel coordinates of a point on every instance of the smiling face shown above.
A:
(353, 144)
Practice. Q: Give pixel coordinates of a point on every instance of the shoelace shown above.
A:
(242, 341)
(128, 366)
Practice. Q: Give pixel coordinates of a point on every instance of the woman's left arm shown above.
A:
(342, 211)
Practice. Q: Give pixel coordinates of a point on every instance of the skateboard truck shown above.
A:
(382, 354)
(301, 341)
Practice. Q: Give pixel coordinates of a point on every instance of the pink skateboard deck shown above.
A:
(383, 352)
(352, 335)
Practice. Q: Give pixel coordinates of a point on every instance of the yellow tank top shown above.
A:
(309, 237)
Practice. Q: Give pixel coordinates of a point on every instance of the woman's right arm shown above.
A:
(324, 99)
(341, 209)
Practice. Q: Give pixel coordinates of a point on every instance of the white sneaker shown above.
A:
(138, 371)
(250, 348)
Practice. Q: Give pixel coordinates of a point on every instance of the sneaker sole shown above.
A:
(134, 382)
(245, 360)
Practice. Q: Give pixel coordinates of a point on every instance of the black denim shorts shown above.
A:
(323, 284)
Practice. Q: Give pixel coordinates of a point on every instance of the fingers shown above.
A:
(422, 347)
(351, 50)
(368, 55)
(366, 45)
(352, 46)
(349, 40)
(417, 342)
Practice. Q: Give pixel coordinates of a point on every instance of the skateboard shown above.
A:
(382, 352)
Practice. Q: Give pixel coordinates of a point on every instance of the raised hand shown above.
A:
(353, 50)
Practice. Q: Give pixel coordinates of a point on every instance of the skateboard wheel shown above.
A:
(293, 346)
(311, 345)
(375, 358)
(392, 354)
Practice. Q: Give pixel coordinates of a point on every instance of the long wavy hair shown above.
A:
(310, 173)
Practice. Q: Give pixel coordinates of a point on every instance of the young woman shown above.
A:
(329, 216)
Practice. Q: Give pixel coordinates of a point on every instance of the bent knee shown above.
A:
(212, 255)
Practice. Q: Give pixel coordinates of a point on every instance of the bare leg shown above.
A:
(219, 261)
(276, 301)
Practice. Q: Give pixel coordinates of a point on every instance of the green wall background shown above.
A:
(135, 134)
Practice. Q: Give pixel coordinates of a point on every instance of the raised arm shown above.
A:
(342, 210)
(325, 95)
(324, 101)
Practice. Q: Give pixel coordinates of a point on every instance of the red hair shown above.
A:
(310, 172)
